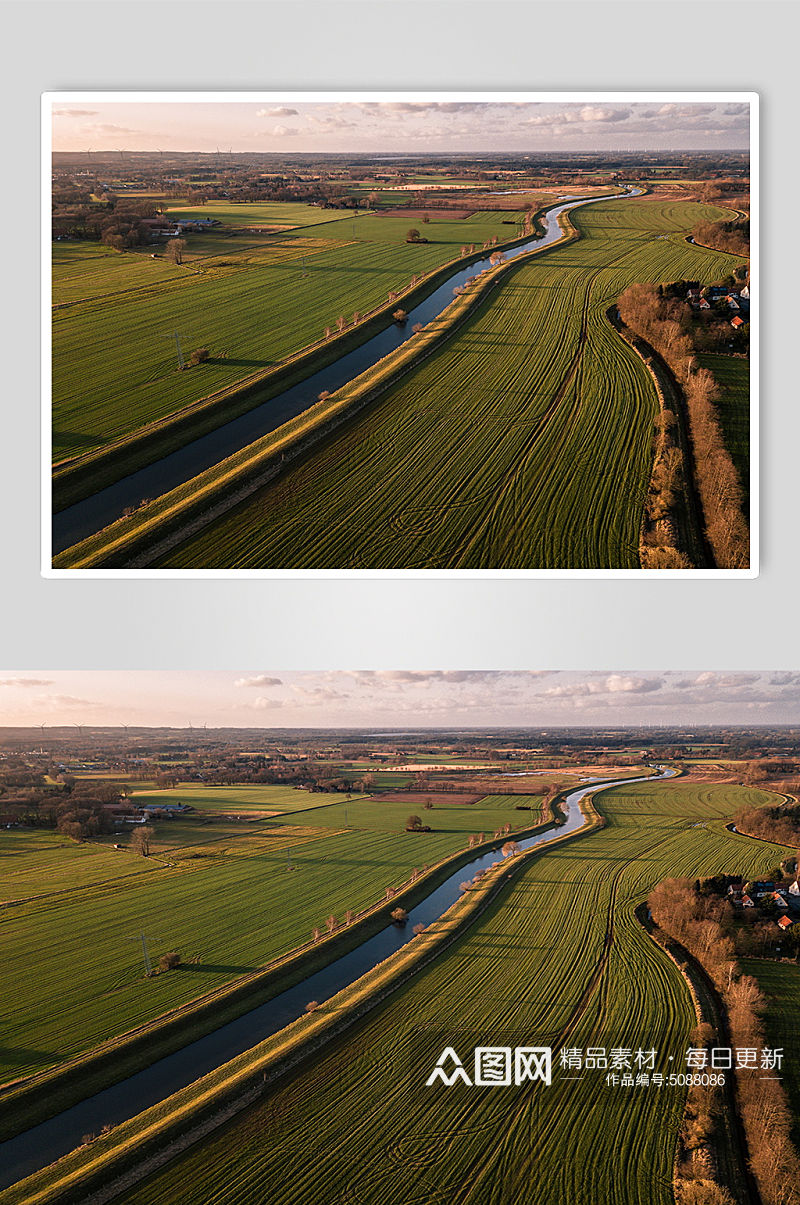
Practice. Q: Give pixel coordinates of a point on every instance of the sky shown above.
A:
(395, 698)
(397, 126)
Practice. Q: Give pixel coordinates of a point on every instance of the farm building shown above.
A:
(785, 923)
(737, 322)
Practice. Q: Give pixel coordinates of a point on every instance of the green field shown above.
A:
(732, 374)
(496, 451)
(250, 300)
(264, 213)
(219, 892)
(560, 960)
(780, 983)
(237, 798)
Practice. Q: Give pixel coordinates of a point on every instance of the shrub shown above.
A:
(168, 962)
(199, 355)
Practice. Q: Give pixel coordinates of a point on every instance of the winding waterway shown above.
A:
(45, 1143)
(86, 517)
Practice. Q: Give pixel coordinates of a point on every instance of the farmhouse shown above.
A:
(785, 923)
(737, 322)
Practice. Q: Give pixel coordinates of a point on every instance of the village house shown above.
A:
(785, 923)
(737, 322)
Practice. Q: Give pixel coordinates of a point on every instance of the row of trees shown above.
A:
(648, 314)
(781, 824)
(693, 918)
(732, 236)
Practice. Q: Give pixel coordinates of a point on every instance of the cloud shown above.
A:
(785, 679)
(107, 128)
(327, 123)
(319, 694)
(27, 682)
(67, 702)
(74, 112)
(259, 680)
(262, 703)
(285, 131)
(594, 113)
(709, 679)
(585, 115)
(281, 111)
(613, 684)
(395, 679)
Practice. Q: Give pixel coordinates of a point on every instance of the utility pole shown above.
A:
(177, 339)
(147, 966)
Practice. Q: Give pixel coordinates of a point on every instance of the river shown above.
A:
(93, 513)
(43, 1144)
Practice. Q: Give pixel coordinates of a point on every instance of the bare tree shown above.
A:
(141, 840)
(174, 249)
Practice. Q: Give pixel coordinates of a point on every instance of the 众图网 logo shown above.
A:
(494, 1066)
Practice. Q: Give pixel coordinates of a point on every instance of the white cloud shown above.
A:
(27, 682)
(258, 680)
(613, 684)
(262, 703)
(280, 111)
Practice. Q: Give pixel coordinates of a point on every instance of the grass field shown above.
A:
(250, 300)
(780, 983)
(220, 893)
(732, 374)
(560, 960)
(496, 450)
(264, 213)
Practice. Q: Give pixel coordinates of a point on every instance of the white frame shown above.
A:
(51, 99)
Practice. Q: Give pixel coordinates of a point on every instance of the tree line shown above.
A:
(694, 917)
(649, 315)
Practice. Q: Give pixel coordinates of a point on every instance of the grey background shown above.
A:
(581, 624)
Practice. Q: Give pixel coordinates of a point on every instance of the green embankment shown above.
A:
(495, 451)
